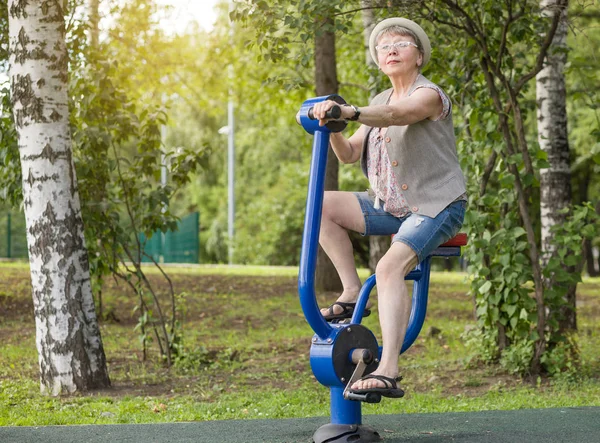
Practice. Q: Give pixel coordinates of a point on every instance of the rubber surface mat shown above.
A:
(526, 426)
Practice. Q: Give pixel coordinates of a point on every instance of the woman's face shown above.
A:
(397, 60)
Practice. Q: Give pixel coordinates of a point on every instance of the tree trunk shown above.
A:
(327, 278)
(71, 355)
(555, 181)
(378, 245)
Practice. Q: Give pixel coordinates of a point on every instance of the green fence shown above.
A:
(180, 246)
(13, 237)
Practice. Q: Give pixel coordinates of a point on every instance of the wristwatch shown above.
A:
(356, 113)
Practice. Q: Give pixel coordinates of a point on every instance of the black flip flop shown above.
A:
(347, 311)
(391, 390)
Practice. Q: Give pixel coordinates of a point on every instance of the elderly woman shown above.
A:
(407, 150)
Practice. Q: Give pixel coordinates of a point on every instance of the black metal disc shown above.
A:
(350, 338)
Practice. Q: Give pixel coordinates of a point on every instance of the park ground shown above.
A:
(246, 348)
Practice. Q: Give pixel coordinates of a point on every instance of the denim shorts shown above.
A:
(423, 234)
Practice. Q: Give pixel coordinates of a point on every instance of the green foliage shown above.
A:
(491, 77)
(10, 163)
(280, 25)
(563, 269)
(3, 34)
(516, 359)
(563, 360)
(272, 228)
(497, 252)
(119, 157)
(504, 305)
(482, 347)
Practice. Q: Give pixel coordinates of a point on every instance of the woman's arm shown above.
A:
(423, 103)
(348, 150)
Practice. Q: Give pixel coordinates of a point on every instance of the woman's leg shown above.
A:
(424, 234)
(341, 212)
(394, 304)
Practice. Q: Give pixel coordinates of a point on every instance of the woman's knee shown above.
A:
(343, 209)
(388, 271)
(395, 264)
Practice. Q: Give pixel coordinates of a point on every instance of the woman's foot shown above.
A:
(344, 306)
(347, 311)
(348, 296)
(369, 382)
(386, 385)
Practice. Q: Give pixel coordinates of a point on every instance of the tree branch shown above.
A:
(521, 142)
(510, 19)
(171, 290)
(142, 276)
(489, 168)
(560, 7)
(471, 25)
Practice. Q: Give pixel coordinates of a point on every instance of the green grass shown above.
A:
(247, 349)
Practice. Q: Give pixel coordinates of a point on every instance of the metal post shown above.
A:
(344, 412)
(231, 154)
(163, 182)
(8, 235)
(230, 178)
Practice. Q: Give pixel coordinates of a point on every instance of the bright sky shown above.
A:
(185, 11)
(202, 11)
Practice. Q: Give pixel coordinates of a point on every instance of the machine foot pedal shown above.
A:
(369, 397)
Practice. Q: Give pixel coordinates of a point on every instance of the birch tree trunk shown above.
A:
(326, 276)
(555, 181)
(71, 355)
(378, 244)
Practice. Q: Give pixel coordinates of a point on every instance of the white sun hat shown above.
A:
(405, 23)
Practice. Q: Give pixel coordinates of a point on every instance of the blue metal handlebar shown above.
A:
(314, 206)
(310, 237)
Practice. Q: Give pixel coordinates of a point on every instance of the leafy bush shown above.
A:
(269, 230)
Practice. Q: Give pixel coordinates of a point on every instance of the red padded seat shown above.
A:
(459, 239)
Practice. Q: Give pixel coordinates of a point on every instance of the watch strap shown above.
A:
(356, 113)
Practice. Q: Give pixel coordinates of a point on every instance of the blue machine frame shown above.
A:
(343, 412)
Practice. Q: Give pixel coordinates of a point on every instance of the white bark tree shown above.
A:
(555, 181)
(71, 355)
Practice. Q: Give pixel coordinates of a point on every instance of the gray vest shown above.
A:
(424, 160)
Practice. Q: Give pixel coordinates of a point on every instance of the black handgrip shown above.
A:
(334, 113)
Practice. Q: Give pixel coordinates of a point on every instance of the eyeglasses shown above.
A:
(398, 45)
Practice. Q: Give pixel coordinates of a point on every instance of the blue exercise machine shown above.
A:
(340, 353)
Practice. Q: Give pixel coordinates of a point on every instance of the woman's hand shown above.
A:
(320, 110)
